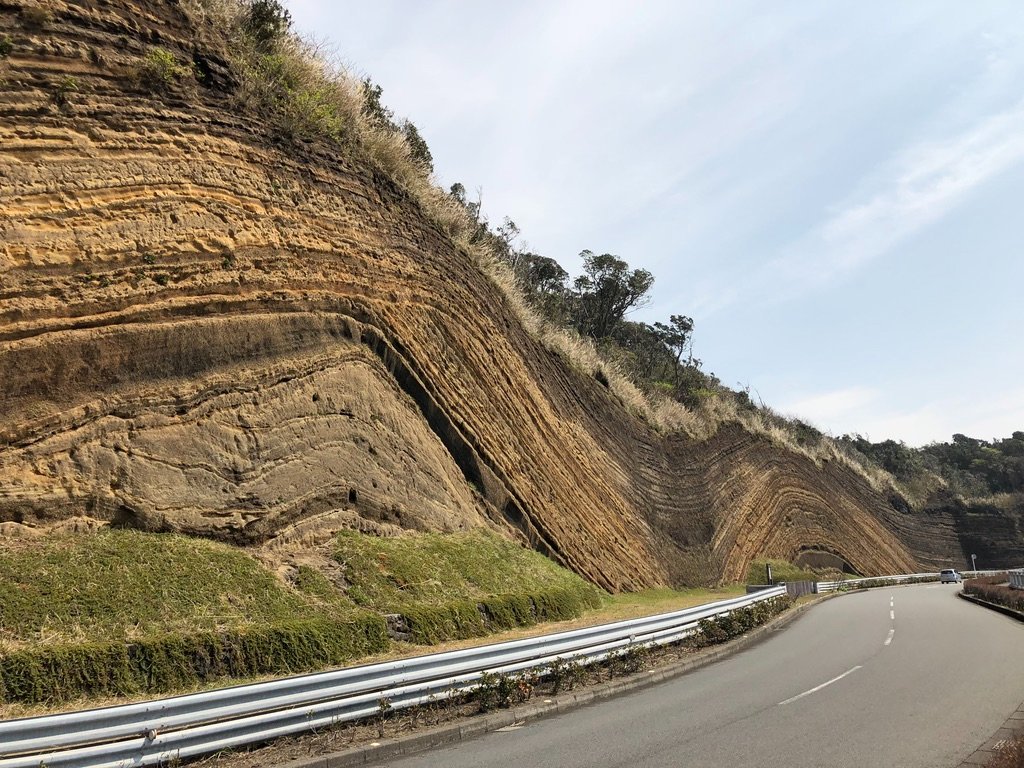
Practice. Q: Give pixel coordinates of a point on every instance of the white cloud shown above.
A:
(983, 413)
(925, 182)
(830, 407)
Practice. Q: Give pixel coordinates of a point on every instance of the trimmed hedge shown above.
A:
(429, 625)
(994, 590)
(880, 582)
(738, 621)
(171, 662)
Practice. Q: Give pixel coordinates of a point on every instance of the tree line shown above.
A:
(971, 467)
(598, 303)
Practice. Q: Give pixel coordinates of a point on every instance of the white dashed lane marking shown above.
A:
(819, 687)
(888, 640)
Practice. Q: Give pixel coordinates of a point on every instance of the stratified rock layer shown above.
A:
(203, 329)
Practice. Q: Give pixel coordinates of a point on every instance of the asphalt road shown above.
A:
(901, 677)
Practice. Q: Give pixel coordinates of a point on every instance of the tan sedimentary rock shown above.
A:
(206, 330)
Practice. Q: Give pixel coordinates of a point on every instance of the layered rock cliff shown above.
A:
(206, 329)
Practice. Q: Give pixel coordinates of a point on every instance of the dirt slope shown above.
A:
(206, 330)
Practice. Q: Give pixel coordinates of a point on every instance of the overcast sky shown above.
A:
(833, 191)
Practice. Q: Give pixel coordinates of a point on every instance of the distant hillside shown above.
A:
(977, 483)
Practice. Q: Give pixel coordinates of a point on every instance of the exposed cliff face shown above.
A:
(203, 329)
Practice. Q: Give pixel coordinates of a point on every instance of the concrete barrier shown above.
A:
(1017, 579)
(798, 588)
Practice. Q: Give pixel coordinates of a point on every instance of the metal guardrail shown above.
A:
(166, 730)
(832, 586)
(1017, 579)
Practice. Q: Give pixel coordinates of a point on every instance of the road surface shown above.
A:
(903, 677)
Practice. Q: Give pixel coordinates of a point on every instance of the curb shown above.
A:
(468, 728)
(992, 606)
(986, 753)
(1014, 725)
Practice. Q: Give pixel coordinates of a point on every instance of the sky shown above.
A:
(831, 190)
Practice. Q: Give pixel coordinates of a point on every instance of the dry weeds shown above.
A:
(1010, 756)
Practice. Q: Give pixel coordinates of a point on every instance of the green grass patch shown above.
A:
(664, 599)
(455, 586)
(389, 574)
(121, 613)
(121, 585)
(159, 69)
(781, 571)
(126, 613)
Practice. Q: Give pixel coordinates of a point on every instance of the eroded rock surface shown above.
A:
(208, 330)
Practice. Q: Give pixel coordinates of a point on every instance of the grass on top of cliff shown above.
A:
(433, 569)
(122, 584)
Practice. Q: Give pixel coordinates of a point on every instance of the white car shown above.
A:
(949, 576)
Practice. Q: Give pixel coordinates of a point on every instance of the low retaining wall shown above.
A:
(1017, 579)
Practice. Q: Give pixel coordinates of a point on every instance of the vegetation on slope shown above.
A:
(122, 612)
(969, 467)
(459, 585)
(757, 572)
(126, 585)
(433, 569)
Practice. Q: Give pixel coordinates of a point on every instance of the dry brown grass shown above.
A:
(313, 95)
(1010, 756)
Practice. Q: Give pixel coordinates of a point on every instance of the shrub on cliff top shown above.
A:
(266, 21)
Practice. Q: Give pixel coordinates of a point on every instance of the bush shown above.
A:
(737, 622)
(461, 619)
(497, 690)
(565, 674)
(994, 590)
(1010, 756)
(266, 21)
(159, 69)
(6, 47)
(629, 660)
(36, 17)
(62, 90)
(171, 662)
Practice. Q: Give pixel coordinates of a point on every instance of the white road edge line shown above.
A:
(819, 687)
(888, 640)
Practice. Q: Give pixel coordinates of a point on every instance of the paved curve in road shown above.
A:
(903, 677)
